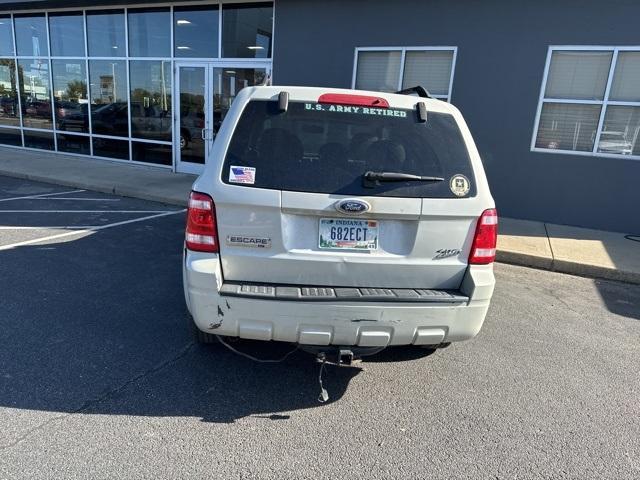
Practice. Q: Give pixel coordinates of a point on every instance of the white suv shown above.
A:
(340, 218)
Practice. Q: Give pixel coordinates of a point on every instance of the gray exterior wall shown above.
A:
(502, 48)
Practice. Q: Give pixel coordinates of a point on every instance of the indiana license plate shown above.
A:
(348, 234)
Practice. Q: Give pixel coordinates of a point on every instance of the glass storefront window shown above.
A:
(66, 31)
(31, 35)
(228, 82)
(10, 136)
(247, 30)
(151, 99)
(100, 81)
(70, 95)
(151, 153)
(42, 140)
(149, 32)
(9, 111)
(195, 32)
(108, 88)
(73, 144)
(6, 36)
(107, 147)
(35, 95)
(105, 33)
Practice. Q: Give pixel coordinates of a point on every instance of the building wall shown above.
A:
(502, 49)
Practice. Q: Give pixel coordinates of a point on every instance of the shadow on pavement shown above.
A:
(620, 298)
(98, 325)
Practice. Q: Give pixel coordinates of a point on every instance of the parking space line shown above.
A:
(88, 230)
(86, 211)
(45, 227)
(80, 199)
(40, 195)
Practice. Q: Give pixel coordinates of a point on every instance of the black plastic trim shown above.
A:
(341, 294)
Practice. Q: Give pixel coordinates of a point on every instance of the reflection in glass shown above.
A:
(196, 31)
(247, 30)
(34, 92)
(192, 114)
(578, 75)
(149, 32)
(42, 140)
(150, 99)
(31, 35)
(10, 136)
(378, 71)
(228, 82)
(9, 111)
(110, 148)
(108, 87)
(626, 79)
(568, 126)
(67, 34)
(105, 33)
(429, 69)
(620, 131)
(151, 153)
(73, 144)
(6, 36)
(70, 95)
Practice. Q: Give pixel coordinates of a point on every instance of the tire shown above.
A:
(199, 336)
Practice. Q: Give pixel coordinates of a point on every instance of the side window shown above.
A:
(392, 69)
(590, 102)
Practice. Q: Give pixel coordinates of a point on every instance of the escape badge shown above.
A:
(459, 185)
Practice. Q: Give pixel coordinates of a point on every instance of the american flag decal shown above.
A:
(242, 174)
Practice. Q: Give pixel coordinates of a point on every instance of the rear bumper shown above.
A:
(333, 322)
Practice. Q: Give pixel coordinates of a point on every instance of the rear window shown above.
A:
(324, 148)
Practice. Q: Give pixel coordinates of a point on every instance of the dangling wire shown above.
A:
(250, 357)
(324, 395)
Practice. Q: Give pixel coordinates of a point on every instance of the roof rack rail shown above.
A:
(421, 91)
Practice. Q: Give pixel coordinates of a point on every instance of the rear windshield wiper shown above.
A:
(371, 179)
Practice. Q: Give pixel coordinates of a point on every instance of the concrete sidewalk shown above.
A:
(561, 248)
(148, 183)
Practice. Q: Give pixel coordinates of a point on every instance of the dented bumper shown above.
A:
(333, 321)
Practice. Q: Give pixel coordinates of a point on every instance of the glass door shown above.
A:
(227, 82)
(190, 143)
(205, 93)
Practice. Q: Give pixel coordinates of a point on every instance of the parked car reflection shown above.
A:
(72, 116)
(615, 142)
(113, 119)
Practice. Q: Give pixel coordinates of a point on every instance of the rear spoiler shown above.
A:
(421, 91)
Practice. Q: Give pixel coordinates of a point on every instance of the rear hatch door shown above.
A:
(296, 206)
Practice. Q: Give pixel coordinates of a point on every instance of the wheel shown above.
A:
(199, 336)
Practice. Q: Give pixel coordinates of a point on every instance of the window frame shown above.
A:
(604, 103)
(403, 52)
(172, 59)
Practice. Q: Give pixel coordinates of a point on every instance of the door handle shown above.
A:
(203, 133)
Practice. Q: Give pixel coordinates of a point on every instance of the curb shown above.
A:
(565, 266)
(115, 190)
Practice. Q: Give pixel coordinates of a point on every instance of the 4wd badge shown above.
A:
(459, 185)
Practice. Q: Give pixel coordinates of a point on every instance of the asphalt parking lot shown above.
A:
(99, 377)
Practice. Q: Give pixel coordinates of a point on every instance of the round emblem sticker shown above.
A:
(459, 185)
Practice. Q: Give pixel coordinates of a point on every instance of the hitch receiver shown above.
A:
(345, 357)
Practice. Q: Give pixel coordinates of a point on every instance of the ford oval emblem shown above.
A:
(352, 206)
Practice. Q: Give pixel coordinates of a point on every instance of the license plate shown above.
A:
(348, 234)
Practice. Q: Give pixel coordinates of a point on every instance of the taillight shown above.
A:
(201, 233)
(483, 249)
